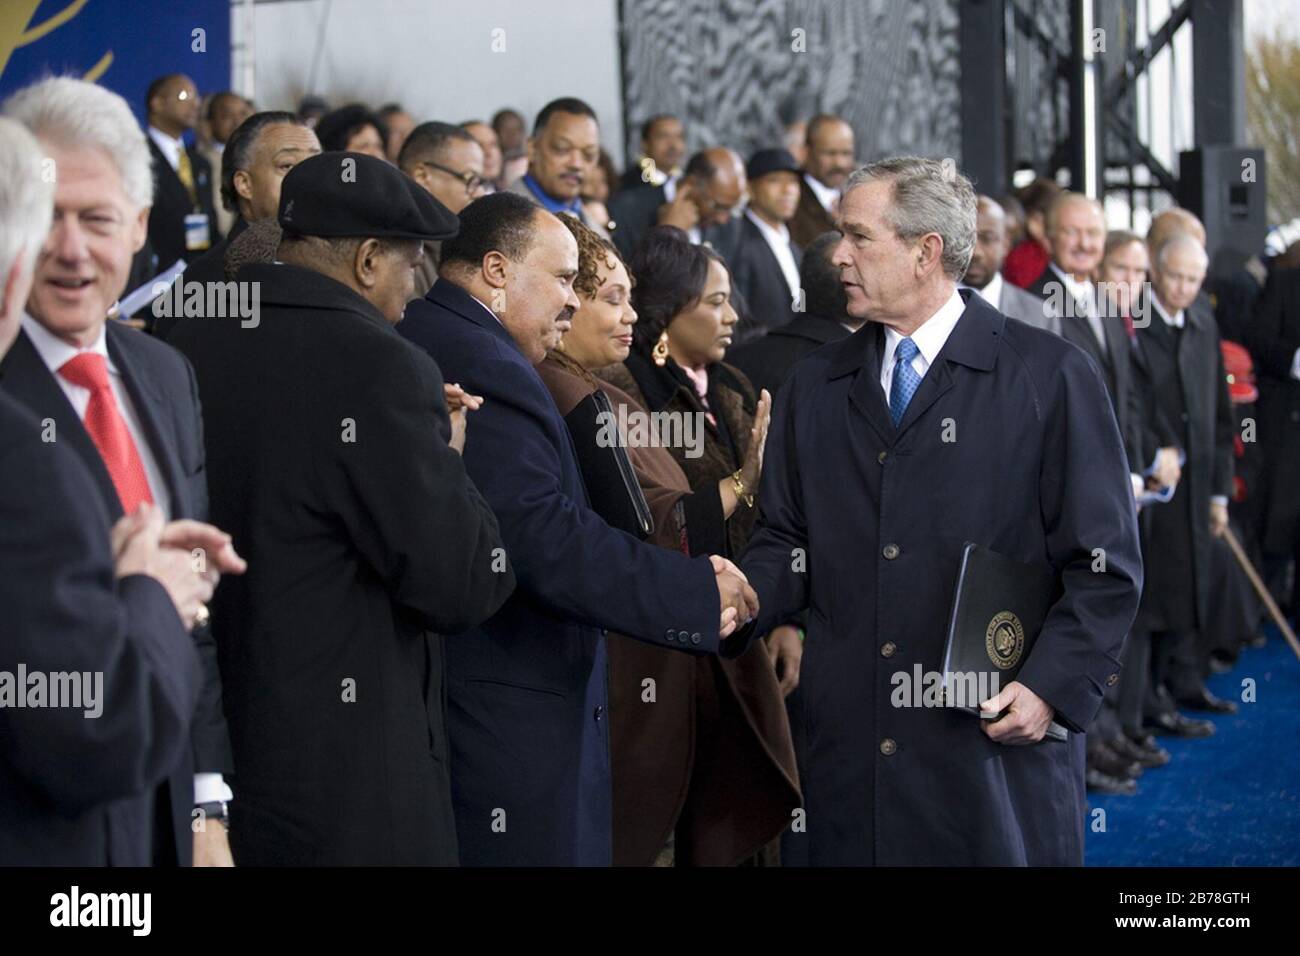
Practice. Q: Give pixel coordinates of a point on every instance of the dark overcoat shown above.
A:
(527, 701)
(328, 462)
(1187, 381)
(1273, 336)
(864, 524)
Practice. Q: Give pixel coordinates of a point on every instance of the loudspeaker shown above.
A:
(1225, 186)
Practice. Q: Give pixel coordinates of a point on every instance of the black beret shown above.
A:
(355, 195)
(771, 161)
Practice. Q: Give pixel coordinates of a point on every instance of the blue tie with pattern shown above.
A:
(905, 381)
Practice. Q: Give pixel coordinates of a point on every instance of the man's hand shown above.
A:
(459, 404)
(137, 543)
(1218, 518)
(785, 651)
(218, 551)
(212, 846)
(682, 211)
(1027, 720)
(1167, 470)
(738, 600)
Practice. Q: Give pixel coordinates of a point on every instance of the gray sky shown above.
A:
(1272, 17)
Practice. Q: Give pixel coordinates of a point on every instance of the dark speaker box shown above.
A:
(1225, 186)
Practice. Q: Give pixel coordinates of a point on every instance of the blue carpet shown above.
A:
(1228, 800)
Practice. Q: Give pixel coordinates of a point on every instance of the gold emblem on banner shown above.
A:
(1005, 640)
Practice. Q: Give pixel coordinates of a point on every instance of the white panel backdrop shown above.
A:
(436, 56)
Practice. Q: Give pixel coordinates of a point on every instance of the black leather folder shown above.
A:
(998, 610)
(607, 470)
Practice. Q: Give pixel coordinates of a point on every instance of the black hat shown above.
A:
(355, 195)
(771, 161)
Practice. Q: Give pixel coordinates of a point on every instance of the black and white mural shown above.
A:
(737, 71)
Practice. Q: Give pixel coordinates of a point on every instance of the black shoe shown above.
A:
(1171, 723)
(1148, 757)
(1103, 758)
(1201, 699)
(1257, 640)
(1099, 782)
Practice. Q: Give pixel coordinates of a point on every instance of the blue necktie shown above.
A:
(906, 380)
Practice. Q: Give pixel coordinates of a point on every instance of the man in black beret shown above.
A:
(331, 459)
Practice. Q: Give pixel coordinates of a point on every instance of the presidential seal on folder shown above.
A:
(998, 610)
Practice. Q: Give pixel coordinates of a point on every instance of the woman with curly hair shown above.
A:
(703, 765)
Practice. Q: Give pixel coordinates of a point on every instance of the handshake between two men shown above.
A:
(739, 601)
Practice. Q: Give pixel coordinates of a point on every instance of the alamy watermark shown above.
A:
(82, 690)
(921, 688)
(209, 300)
(638, 429)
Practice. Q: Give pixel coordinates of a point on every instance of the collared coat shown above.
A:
(1009, 442)
(527, 702)
(1185, 377)
(328, 463)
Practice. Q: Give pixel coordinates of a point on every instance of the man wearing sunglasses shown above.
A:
(448, 163)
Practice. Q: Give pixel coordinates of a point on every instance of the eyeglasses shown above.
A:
(473, 182)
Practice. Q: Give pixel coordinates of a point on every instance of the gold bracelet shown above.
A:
(739, 486)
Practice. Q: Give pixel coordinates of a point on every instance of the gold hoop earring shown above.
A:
(660, 353)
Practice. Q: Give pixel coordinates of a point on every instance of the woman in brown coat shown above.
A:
(700, 746)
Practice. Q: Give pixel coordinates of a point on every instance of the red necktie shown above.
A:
(1128, 327)
(108, 429)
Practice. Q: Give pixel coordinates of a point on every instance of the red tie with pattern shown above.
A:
(108, 429)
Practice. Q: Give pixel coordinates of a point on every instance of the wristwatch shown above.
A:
(215, 810)
(739, 485)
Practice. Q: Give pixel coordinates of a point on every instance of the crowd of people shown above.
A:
(367, 580)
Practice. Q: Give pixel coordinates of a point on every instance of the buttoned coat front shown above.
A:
(1010, 442)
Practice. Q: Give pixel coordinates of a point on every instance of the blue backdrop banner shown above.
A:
(122, 44)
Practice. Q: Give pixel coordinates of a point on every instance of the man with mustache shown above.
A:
(562, 152)
(827, 168)
(526, 690)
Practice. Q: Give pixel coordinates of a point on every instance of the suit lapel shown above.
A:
(25, 376)
(865, 394)
(152, 409)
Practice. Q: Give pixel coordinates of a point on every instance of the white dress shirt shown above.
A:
(992, 293)
(1085, 294)
(929, 339)
(54, 352)
(778, 240)
(825, 195)
(171, 147)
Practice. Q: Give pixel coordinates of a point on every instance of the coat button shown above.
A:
(887, 746)
(600, 712)
(695, 638)
(683, 636)
(672, 635)
(890, 552)
(1112, 680)
(888, 648)
(882, 456)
